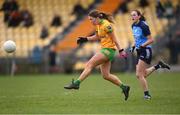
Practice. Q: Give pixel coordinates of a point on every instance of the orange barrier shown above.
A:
(85, 28)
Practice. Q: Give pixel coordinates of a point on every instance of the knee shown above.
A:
(105, 76)
(139, 75)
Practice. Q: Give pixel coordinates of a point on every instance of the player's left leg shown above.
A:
(160, 64)
(105, 71)
(140, 73)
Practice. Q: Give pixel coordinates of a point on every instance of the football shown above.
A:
(9, 46)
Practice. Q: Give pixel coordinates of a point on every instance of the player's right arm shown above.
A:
(93, 37)
(82, 40)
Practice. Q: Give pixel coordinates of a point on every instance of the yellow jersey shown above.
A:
(102, 31)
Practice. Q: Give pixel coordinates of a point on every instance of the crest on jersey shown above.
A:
(109, 28)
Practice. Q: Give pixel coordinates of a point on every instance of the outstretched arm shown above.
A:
(82, 40)
(93, 38)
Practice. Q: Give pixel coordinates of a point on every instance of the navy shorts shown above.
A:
(144, 54)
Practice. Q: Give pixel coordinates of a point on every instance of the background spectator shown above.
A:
(79, 11)
(123, 7)
(52, 60)
(177, 11)
(174, 46)
(169, 9)
(14, 19)
(27, 18)
(143, 3)
(56, 21)
(44, 32)
(159, 9)
(36, 55)
(8, 7)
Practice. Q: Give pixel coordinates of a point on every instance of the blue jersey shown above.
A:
(140, 33)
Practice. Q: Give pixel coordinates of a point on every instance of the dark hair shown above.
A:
(101, 15)
(142, 18)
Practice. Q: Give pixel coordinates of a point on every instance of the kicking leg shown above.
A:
(97, 59)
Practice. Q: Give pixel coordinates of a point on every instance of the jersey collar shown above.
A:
(101, 21)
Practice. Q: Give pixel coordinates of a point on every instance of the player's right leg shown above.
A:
(72, 85)
(97, 59)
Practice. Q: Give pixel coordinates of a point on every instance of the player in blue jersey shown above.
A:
(143, 41)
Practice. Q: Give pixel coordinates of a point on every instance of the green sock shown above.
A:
(122, 86)
(77, 82)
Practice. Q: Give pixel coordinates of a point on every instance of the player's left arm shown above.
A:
(116, 41)
(93, 37)
(111, 33)
(149, 41)
(147, 33)
(109, 29)
(122, 53)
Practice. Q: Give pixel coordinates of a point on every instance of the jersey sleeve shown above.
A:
(108, 28)
(145, 29)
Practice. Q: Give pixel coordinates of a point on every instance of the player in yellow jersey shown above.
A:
(109, 43)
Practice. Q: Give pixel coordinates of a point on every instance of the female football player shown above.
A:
(109, 42)
(143, 41)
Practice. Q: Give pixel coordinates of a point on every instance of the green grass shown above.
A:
(45, 94)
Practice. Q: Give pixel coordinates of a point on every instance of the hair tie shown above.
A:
(101, 15)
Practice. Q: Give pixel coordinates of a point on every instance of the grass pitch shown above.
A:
(35, 94)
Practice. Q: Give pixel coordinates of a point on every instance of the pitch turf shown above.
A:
(45, 94)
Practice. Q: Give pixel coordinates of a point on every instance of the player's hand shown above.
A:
(81, 40)
(122, 54)
(141, 49)
(132, 49)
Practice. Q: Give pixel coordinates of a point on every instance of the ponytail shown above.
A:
(101, 15)
(142, 18)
